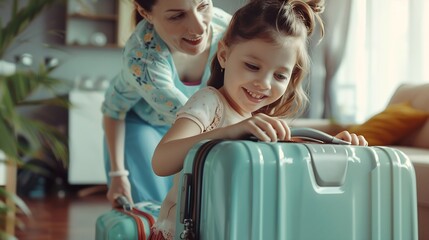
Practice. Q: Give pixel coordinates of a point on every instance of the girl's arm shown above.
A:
(171, 151)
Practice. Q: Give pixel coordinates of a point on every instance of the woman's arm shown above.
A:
(115, 137)
(114, 130)
(171, 151)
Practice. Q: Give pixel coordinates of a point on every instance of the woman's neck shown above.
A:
(190, 68)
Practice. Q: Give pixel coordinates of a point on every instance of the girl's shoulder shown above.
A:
(205, 108)
(206, 95)
(205, 99)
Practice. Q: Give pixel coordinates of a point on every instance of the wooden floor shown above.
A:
(71, 217)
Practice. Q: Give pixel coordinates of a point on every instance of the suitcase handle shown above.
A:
(310, 134)
(124, 203)
(314, 134)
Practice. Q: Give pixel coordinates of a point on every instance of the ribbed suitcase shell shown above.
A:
(115, 225)
(295, 191)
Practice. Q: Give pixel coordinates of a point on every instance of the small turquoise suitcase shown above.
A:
(234, 190)
(129, 222)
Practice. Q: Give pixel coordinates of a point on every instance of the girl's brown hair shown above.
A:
(271, 20)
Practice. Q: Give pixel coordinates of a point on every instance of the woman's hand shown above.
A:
(119, 186)
(262, 126)
(352, 138)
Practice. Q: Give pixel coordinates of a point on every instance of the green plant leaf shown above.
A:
(59, 102)
(5, 236)
(16, 91)
(39, 132)
(8, 139)
(5, 209)
(16, 200)
(7, 106)
(20, 20)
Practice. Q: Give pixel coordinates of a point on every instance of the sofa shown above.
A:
(409, 127)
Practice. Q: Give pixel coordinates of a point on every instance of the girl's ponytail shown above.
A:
(309, 11)
(318, 6)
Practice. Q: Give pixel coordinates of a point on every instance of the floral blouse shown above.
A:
(148, 83)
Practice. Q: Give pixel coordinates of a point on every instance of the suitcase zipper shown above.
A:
(191, 193)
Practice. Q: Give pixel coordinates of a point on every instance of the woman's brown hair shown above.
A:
(146, 5)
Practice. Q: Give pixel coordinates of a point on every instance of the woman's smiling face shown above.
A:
(257, 72)
(183, 24)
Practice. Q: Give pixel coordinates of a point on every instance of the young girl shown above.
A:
(255, 82)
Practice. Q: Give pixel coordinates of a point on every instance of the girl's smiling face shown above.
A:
(257, 72)
(184, 25)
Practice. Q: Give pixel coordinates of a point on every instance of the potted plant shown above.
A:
(22, 136)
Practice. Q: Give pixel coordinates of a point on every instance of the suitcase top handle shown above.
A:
(310, 134)
(124, 203)
(314, 134)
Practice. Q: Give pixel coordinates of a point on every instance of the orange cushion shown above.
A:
(391, 125)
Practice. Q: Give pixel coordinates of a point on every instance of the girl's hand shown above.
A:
(262, 126)
(119, 186)
(185, 133)
(352, 138)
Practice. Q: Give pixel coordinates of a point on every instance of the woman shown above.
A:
(165, 61)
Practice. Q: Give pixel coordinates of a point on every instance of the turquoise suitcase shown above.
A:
(129, 222)
(243, 189)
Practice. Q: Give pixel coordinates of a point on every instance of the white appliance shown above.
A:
(2, 168)
(86, 165)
